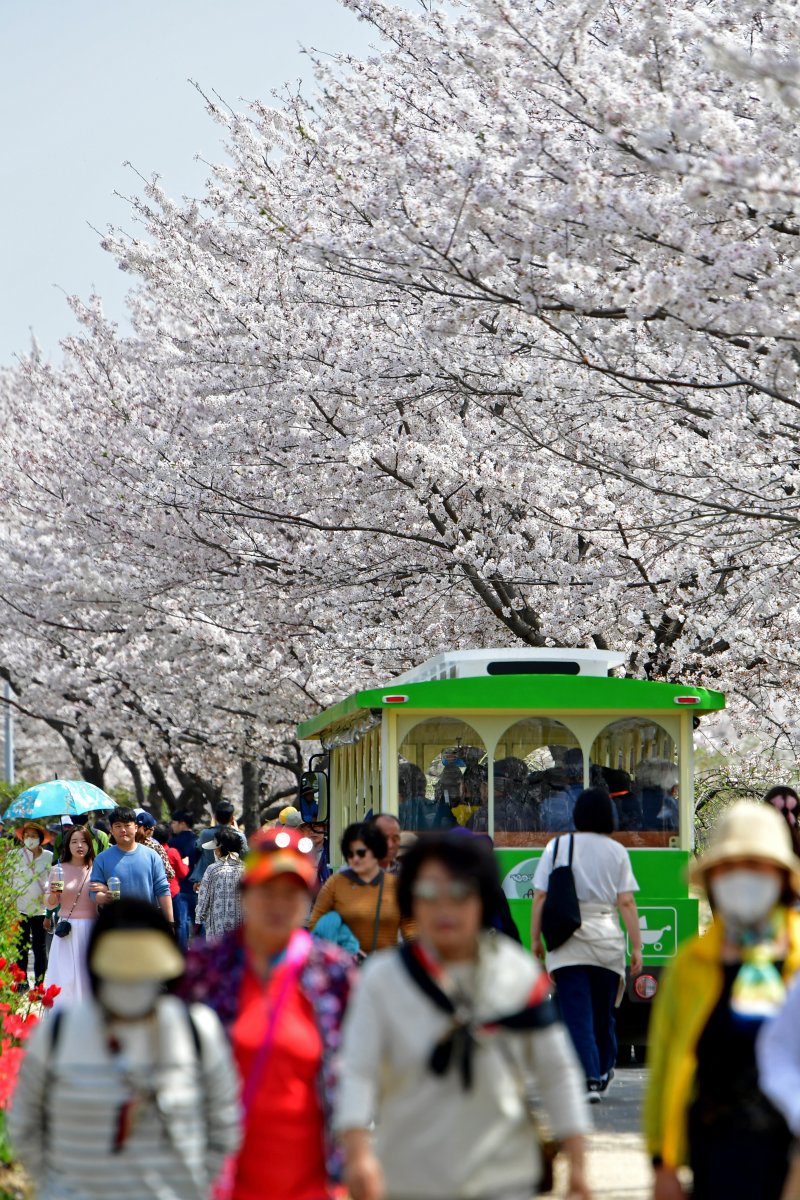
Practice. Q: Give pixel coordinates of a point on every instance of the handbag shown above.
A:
(561, 913)
(376, 926)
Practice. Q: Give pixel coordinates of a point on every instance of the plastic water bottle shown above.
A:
(115, 887)
(57, 879)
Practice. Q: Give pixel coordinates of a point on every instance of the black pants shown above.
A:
(32, 934)
(738, 1164)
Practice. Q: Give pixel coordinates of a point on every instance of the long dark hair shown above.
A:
(66, 855)
(790, 815)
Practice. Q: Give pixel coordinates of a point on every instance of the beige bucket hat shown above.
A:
(747, 830)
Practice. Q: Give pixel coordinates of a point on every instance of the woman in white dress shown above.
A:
(66, 967)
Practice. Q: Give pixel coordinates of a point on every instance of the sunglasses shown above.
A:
(361, 853)
(458, 890)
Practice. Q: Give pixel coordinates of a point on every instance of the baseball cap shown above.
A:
(144, 818)
(290, 817)
(276, 852)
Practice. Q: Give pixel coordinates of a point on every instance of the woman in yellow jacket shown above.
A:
(703, 1106)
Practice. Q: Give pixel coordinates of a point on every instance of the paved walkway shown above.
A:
(618, 1168)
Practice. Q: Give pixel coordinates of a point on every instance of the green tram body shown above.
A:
(536, 707)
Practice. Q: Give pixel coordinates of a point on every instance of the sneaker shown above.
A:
(605, 1080)
(593, 1089)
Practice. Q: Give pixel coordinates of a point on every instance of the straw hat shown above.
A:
(131, 955)
(747, 830)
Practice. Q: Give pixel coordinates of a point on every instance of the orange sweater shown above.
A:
(355, 902)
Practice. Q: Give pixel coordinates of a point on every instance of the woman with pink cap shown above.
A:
(281, 996)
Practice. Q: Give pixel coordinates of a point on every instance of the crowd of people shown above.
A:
(536, 801)
(288, 1031)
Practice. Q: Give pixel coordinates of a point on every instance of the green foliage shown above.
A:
(10, 791)
(9, 918)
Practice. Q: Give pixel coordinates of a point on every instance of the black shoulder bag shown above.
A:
(561, 914)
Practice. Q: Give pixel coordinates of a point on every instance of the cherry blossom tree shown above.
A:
(492, 340)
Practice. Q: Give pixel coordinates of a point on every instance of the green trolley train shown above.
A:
(502, 741)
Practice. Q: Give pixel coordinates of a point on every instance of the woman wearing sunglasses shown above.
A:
(443, 1041)
(363, 895)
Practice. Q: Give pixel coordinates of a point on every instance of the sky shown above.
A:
(86, 85)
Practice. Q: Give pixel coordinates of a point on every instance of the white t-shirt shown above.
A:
(600, 866)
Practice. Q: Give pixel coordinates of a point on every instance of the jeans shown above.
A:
(184, 906)
(586, 996)
(32, 934)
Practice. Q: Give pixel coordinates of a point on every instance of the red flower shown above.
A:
(18, 1026)
(10, 1061)
(50, 995)
(3, 963)
(18, 974)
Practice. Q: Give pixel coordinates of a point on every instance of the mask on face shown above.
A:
(130, 1000)
(746, 898)
(32, 843)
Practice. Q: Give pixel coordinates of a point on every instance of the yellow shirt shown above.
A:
(689, 991)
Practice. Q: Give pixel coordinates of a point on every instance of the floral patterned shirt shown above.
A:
(218, 905)
(214, 973)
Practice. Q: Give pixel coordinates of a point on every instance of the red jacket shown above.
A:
(179, 867)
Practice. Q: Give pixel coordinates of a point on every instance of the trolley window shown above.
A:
(538, 773)
(441, 776)
(636, 760)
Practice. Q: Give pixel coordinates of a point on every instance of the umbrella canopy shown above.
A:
(58, 797)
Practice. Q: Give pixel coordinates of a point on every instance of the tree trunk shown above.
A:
(251, 796)
(138, 783)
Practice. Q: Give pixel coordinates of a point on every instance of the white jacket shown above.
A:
(67, 1104)
(434, 1139)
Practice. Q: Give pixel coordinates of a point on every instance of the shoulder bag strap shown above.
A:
(295, 961)
(86, 873)
(376, 927)
(571, 848)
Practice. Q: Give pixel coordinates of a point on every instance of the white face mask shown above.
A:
(130, 1000)
(32, 843)
(746, 898)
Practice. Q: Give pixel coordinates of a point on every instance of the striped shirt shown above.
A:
(68, 1103)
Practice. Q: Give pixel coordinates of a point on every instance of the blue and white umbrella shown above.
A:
(57, 798)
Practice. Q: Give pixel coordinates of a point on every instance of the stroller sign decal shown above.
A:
(518, 882)
(659, 929)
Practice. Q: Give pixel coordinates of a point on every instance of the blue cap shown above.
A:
(144, 818)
